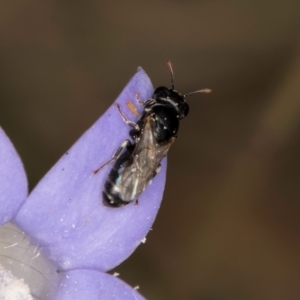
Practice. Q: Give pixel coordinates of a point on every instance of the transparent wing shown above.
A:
(143, 163)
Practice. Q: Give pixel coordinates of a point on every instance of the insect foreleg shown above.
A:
(144, 103)
(138, 99)
(117, 154)
(128, 122)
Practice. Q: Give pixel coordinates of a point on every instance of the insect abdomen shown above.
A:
(115, 192)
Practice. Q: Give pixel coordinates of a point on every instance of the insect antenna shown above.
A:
(172, 74)
(206, 91)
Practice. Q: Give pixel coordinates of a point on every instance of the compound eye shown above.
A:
(187, 109)
(184, 109)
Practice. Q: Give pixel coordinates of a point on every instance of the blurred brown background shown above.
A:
(229, 224)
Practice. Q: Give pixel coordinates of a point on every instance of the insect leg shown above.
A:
(157, 170)
(128, 122)
(138, 99)
(117, 154)
(144, 103)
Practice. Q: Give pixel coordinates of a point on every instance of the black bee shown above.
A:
(137, 162)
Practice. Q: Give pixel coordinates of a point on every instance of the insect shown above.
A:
(137, 162)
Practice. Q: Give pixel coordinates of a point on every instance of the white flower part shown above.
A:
(25, 261)
(12, 288)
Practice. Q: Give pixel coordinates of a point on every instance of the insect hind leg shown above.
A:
(157, 170)
(117, 154)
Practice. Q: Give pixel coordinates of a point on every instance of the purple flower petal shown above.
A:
(13, 182)
(65, 214)
(93, 285)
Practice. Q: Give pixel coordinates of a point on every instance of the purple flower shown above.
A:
(13, 182)
(65, 217)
